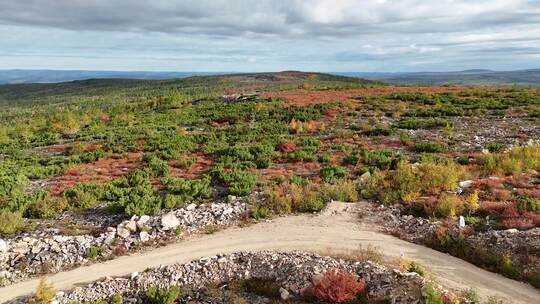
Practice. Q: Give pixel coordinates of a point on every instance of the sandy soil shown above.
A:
(336, 228)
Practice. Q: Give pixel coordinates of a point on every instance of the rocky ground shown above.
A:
(521, 247)
(47, 251)
(294, 272)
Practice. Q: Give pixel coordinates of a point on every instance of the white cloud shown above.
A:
(269, 34)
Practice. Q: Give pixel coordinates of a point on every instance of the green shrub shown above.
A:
(382, 159)
(342, 190)
(517, 160)
(432, 295)
(240, 182)
(379, 132)
(181, 191)
(529, 204)
(133, 195)
(412, 266)
(429, 147)
(495, 147)
(449, 206)
(11, 222)
(507, 268)
(162, 295)
(93, 251)
(44, 293)
(332, 174)
(286, 198)
(81, 196)
(412, 181)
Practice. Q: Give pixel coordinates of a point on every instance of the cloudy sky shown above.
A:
(270, 35)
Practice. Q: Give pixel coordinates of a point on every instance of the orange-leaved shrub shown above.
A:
(337, 286)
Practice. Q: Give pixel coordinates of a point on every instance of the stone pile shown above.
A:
(517, 245)
(294, 271)
(26, 256)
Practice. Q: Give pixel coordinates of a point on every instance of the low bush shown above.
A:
(529, 204)
(412, 266)
(332, 174)
(408, 181)
(116, 299)
(379, 132)
(11, 222)
(133, 195)
(383, 159)
(44, 294)
(429, 147)
(495, 147)
(180, 191)
(162, 295)
(517, 160)
(343, 190)
(93, 252)
(286, 198)
(432, 295)
(414, 123)
(449, 206)
(337, 286)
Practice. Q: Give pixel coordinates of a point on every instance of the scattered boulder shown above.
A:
(62, 251)
(144, 236)
(465, 184)
(169, 221)
(123, 232)
(293, 271)
(131, 226)
(283, 294)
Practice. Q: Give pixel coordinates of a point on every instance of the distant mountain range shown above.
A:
(53, 76)
(473, 77)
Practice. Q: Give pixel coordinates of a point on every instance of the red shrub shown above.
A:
(288, 147)
(511, 212)
(492, 207)
(489, 183)
(105, 118)
(534, 217)
(535, 193)
(518, 223)
(336, 286)
(500, 195)
(519, 184)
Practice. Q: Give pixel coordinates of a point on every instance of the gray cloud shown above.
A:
(249, 35)
(288, 18)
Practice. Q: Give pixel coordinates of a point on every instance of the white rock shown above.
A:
(145, 237)
(131, 225)
(169, 221)
(134, 275)
(513, 230)
(228, 211)
(461, 221)
(143, 220)
(465, 184)
(122, 232)
(3, 246)
(191, 207)
(222, 260)
(283, 293)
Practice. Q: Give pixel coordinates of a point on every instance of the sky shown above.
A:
(270, 35)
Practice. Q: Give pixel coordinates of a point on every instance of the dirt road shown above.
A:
(336, 229)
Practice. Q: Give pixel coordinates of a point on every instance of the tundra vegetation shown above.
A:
(300, 139)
